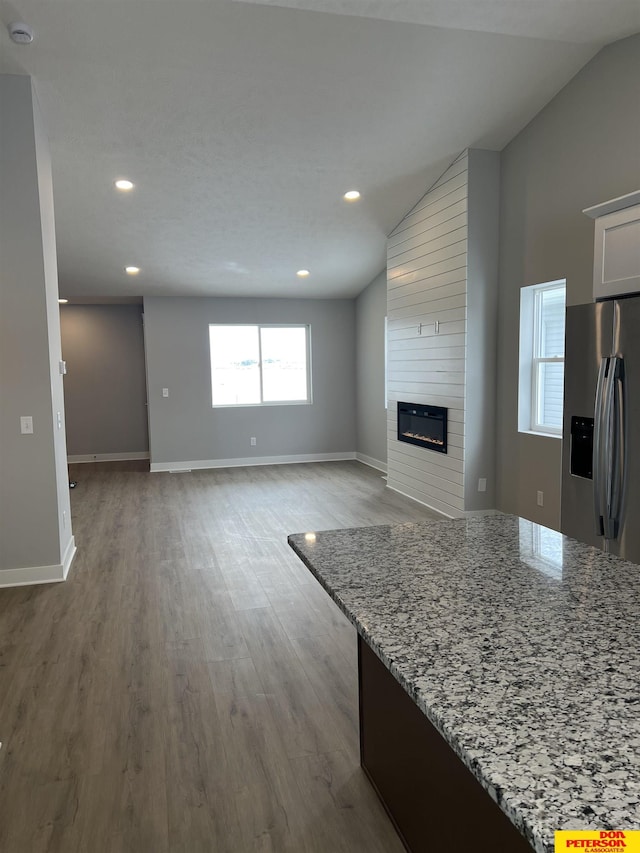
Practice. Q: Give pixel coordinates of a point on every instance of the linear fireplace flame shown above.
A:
(424, 426)
(428, 438)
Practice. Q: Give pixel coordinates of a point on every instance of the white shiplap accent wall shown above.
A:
(427, 282)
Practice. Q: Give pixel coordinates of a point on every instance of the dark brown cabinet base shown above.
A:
(431, 797)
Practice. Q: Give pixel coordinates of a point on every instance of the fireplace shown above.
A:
(425, 426)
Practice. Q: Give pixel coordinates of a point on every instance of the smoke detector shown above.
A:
(21, 33)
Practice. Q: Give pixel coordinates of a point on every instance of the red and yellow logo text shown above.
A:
(609, 840)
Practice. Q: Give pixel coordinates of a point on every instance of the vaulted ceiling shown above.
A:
(242, 125)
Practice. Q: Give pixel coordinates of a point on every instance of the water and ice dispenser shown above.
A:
(582, 447)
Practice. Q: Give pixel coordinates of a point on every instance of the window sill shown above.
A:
(261, 405)
(540, 434)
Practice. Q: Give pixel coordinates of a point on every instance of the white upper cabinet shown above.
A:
(616, 257)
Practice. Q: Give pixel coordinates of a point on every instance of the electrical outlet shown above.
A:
(540, 498)
(165, 392)
(482, 484)
(253, 441)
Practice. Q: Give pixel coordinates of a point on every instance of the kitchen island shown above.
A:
(519, 647)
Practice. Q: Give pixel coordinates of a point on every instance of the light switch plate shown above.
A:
(26, 425)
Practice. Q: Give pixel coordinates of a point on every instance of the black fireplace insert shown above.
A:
(425, 426)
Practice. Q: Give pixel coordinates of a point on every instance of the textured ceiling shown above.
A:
(243, 124)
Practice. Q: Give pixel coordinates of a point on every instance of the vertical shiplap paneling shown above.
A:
(427, 282)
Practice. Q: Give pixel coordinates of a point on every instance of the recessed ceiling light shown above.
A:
(63, 301)
(302, 273)
(124, 184)
(132, 270)
(352, 195)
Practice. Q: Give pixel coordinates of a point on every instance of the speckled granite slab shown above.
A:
(520, 645)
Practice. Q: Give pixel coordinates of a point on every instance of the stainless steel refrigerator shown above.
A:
(601, 427)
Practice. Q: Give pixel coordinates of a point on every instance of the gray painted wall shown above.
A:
(35, 519)
(184, 426)
(371, 309)
(105, 385)
(581, 149)
(483, 217)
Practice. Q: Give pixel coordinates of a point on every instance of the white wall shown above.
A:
(581, 149)
(427, 282)
(185, 428)
(105, 385)
(371, 309)
(36, 541)
(442, 269)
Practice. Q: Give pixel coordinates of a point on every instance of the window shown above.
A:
(259, 365)
(541, 387)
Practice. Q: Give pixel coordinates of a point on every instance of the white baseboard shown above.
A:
(371, 462)
(67, 559)
(194, 464)
(40, 574)
(470, 513)
(107, 457)
(424, 503)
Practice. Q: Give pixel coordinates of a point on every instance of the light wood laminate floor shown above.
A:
(190, 688)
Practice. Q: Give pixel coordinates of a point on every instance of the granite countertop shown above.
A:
(520, 645)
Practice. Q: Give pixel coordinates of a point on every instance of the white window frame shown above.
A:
(306, 402)
(531, 360)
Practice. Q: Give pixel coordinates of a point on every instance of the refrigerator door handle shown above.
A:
(618, 449)
(598, 503)
(608, 458)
